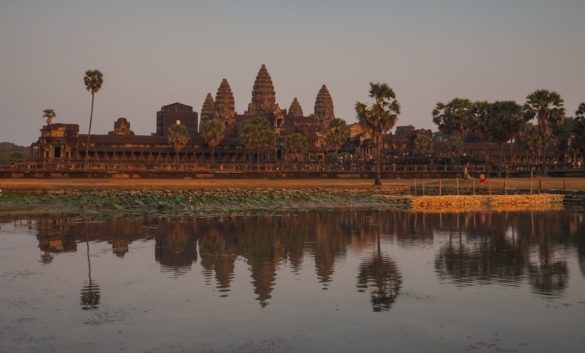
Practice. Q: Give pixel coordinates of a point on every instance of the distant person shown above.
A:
(466, 173)
(482, 181)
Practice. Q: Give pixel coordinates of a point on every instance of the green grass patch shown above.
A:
(9, 197)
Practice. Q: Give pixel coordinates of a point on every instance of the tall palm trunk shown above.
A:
(378, 180)
(502, 161)
(89, 131)
(212, 156)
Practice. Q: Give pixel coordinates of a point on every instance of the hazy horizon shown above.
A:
(153, 54)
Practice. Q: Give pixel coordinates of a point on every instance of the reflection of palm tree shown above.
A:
(550, 275)
(90, 293)
(454, 261)
(581, 252)
(491, 257)
(380, 274)
(549, 278)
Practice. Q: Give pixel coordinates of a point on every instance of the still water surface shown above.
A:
(318, 281)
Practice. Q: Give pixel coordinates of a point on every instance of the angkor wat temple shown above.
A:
(61, 150)
(64, 142)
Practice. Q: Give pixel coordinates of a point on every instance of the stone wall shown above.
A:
(482, 202)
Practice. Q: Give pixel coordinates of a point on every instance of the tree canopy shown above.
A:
(49, 114)
(337, 133)
(213, 132)
(296, 143)
(505, 121)
(423, 144)
(453, 117)
(547, 108)
(178, 136)
(257, 135)
(93, 80)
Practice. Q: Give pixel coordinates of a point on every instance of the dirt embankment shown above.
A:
(39, 186)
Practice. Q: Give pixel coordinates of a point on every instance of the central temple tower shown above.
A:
(324, 106)
(263, 95)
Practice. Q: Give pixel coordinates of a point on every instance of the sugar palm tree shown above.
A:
(49, 114)
(423, 144)
(379, 118)
(505, 122)
(93, 83)
(296, 144)
(547, 108)
(178, 136)
(257, 134)
(337, 133)
(213, 132)
(454, 117)
(579, 131)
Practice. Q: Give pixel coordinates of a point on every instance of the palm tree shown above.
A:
(547, 108)
(49, 114)
(455, 116)
(580, 113)
(213, 132)
(337, 133)
(505, 122)
(532, 139)
(423, 144)
(479, 120)
(93, 83)
(257, 134)
(379, 118)
(296, 143)
(178, 136)
(579, 131)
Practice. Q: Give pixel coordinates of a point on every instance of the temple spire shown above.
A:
(295, 110)
(263, 95)
(324, 106)
(207, 108)
(225, 106)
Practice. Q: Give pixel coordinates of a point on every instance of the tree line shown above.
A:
(541, 125)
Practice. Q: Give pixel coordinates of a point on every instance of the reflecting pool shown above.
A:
(315, 281)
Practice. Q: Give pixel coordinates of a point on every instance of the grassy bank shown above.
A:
(202, 202)
(40, 186)
(221, 196)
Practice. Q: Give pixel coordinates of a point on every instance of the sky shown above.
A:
(153, 53)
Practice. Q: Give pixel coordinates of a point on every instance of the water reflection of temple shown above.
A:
(473, 248)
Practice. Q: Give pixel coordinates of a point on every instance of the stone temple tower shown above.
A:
(207, 108)
(263, 95)
(295, 110)
(225, 106)
(324, 106)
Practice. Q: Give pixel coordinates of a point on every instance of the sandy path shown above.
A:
(41, 185)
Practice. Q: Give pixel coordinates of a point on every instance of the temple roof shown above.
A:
(176, 107)
(207, 108)
(324, 105)
(224, 99)
(295, 110)
(263, 95)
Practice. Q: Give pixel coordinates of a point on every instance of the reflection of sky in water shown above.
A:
(311, 282)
